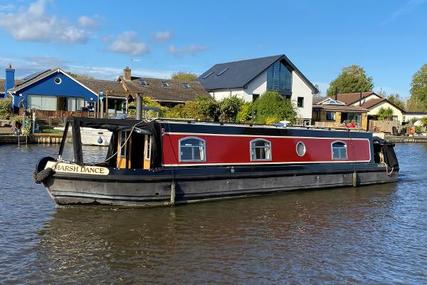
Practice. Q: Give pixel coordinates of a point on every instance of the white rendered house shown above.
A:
(249, 79)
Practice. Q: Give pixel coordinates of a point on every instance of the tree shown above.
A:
(79, 76)
(396, 100)
(184, 76)
(418, 99)
(272, 107)
(352, 78)
(385, 114)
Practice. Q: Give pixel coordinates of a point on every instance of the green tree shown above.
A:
(385, 113)
(352, 78)
(418, 99)
(272, 107)
(396, 100)
(184, 76)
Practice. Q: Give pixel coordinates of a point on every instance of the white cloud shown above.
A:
(163, 36)
(33, 24)
(87, 22)
(187, 50)
(128, 43)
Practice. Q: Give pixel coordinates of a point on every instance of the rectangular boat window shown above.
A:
(260, 149)
(339, 151)
(192, 149)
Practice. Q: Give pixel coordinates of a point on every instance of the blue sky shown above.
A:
(156, 38)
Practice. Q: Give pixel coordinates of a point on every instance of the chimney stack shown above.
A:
(9, 82)
(127, 73)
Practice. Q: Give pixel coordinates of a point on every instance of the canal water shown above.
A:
(369, 235)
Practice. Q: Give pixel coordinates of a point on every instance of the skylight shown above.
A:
(222, 71)
(207, 75)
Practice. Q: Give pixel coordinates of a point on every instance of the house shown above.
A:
(58, 93)
(336, 114)
(248, 79)
(413, 116)
(167, 92)
(373, 102)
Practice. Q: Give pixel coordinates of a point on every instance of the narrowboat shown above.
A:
(167, 162)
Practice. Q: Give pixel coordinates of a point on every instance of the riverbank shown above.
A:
(42, 138)
(406, 139)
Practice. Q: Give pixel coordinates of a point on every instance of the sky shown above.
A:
(157, 38)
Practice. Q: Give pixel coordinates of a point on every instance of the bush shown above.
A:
(229, 108)
(245, 113)
(272, 107)
(149, 102)
(5, 108)
(385, 114)
(203, 109)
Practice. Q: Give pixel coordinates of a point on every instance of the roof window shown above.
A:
(207, 75)
(165, 84)
(222, 72)
(186, 85)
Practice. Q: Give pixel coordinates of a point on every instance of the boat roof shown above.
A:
(115, 124)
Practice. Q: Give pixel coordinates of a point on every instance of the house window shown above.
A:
(300, 148)
(46, 103)
(260, 150)
(192, 149)
(75, 104)
(255, 97)
(300, 102)
(57, 80)
(339, 151)
(279, 78)
(330, 116)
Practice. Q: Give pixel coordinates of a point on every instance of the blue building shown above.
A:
(56, 90)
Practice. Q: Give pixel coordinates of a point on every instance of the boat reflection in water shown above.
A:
(297, 237)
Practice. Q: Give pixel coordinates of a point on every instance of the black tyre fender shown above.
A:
(41, 176)
(40, 173)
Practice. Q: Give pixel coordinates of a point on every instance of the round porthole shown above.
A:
(300, 148)
(57, 80)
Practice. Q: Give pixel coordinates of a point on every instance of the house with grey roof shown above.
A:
(249, 79)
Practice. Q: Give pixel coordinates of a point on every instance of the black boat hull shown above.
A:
(195, 185)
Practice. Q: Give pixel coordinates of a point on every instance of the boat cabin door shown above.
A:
(124, 148)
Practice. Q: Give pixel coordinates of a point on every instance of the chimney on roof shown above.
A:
(360, 99)
(336, 93)
(127, 73)
(9, 83)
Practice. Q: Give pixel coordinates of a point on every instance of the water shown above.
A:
(375, 234)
